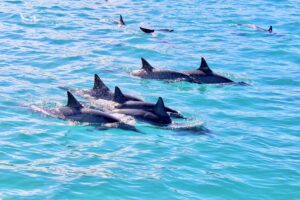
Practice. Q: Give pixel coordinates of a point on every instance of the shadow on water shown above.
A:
(196, 128)
(190, 129)
(122, 126)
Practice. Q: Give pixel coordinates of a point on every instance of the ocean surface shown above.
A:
(250, 150)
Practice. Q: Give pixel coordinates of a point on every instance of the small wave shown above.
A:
(28, 19)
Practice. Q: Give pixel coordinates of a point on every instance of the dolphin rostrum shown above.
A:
(206, 76)
(149, 72)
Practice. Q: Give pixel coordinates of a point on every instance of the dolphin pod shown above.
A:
(116, 99)
(76, 112)
(110, 107)
(202, 75)
(118, 103)
(97, 112)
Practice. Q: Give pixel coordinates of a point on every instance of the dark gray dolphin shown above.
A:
(149, 72)
(76, 112)
(125, 104)
(147, 30)
(206, 76)
(157, 115)
(99, 91)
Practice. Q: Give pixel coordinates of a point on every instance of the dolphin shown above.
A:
(125, 104)
(146, 30)
(206, 76)
(149, 72)
(157, 115)
(76, 112)
(99, 91)
(270, 30)
(255, 27)
(120, 22)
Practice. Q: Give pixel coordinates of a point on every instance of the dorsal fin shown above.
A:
(119, 97)
(99, 85)
(121, 20)
(204, 67)
(270, 29)
(72, 102)
(146, 66)
(160, 109)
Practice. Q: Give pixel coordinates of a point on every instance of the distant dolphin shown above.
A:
(149, 72)
(253, 26)
(124, 104)
(120, 22)
(270, 30)
(75, 111)
(146, 30)
(99, 91)
(206, 76)
(157, 115)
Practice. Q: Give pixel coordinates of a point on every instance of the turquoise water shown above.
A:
(253, 147)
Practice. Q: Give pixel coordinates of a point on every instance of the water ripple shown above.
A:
(252, 142)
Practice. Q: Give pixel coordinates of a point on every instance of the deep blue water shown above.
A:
(252, 150)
